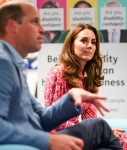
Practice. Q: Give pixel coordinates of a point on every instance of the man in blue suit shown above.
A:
(22, 119)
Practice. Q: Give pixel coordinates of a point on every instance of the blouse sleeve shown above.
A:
(49, 87)
(89, 111)
(54, 86)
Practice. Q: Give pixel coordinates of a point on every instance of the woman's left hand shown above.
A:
(118, 132)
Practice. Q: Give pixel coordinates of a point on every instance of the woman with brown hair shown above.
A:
(80, 65)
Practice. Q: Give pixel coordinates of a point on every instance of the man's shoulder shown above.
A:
(4, 54)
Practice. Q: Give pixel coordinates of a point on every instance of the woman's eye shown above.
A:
(94, 43)
(84, 40)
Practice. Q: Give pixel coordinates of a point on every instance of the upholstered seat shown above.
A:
(16, 147)
(118, 123)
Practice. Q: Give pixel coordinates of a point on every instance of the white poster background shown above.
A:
(114, 70)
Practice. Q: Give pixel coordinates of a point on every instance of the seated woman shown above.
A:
(80, 65)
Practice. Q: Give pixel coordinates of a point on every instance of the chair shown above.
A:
(118, 123)
(16, 147)
(63, 36)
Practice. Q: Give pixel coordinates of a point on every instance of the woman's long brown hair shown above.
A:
(93, 68)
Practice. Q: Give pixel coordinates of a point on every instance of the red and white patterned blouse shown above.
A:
(54, 87)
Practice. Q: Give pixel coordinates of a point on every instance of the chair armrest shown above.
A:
(16, 147)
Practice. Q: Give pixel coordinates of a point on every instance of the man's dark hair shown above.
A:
(7, 12)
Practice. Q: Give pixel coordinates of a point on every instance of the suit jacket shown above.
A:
(22, 118)
(104, 36)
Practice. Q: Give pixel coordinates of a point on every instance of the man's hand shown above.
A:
(65, 142)
(79, 95)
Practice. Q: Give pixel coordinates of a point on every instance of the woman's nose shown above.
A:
(89, 44)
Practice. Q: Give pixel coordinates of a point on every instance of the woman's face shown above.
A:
(85, 45)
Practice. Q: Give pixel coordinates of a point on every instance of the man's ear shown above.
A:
(11, 26)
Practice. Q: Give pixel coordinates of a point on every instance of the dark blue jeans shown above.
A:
(96, 134)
